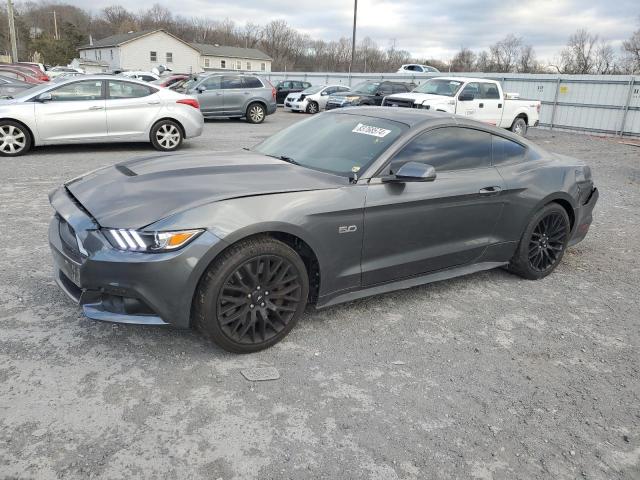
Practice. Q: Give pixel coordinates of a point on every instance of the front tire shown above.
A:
(252, 295)
(313, 108)
(543, 243)
(15, 139)
(519, 126)
(256, 113)
(166, 136)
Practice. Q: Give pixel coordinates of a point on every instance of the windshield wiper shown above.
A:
(284, 158)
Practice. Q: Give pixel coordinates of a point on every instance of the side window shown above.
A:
(399, 88)
(489, 91)
(153, 56)
(385, 89)
(211, 83)
(229, 82)
(471, 89)
(169, 57)
(223, 64)
(248, 65)
(299, 85)
(506, 152)
(446, 149)
(78, 91)
(306, 84)
(343, 89)
(128, 90)
(286, 85)
(252, 82)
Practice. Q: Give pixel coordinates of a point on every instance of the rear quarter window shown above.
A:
(252, 82)
(506, 152)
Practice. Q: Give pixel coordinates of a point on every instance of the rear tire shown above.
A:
(252, 295)
(519, 126)
(15, 139)
(166, 136)
(543, 243)
(256, 113)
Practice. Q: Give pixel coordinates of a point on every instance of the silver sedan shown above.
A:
(97, 109)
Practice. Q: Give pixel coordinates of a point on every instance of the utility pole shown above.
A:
(55, 26)
(353, 38)
(12, 32)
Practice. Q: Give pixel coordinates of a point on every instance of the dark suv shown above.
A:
(285, 87)
(233, 95)
(367, 93)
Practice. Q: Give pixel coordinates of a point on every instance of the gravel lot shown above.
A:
(487, 376)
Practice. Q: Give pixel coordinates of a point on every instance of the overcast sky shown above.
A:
(427, 28)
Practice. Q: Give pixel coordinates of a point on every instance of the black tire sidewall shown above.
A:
(248, 115)
(519, 120)
(154, 140)
(213, 280)
(27, 135)
(520, 263)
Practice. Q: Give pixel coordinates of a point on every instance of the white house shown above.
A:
(89, 66)
(148, 49)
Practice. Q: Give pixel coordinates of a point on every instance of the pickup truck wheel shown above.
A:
(519, 126)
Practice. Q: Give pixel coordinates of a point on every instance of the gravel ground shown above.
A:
(487, 376)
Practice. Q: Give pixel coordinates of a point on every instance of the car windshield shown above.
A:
(366, 87)
(313, 89)
(336, 143)
(448, 88)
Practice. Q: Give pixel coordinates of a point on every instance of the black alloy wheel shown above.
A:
(547, 242)
(259, 299)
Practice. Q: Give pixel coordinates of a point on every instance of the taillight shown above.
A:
(273, 92)
(44, 78)
(189, 101)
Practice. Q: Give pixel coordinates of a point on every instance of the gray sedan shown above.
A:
(97, 109)
(372, 200)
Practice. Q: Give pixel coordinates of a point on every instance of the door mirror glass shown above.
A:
(412, 172)
(466, 97)
(44, 97)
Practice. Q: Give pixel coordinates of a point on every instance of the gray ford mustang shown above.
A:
(343, 205)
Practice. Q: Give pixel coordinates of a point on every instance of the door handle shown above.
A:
(490, 190)
(246, 93)
(153, 103)
(96, 107)
(499, 105)
(481, 105)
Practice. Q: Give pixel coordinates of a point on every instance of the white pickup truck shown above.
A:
(477, 98)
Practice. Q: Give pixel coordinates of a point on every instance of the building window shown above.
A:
(153, 56)
(223, 64)
(249, 66)
(95, 54)
(238, 65)
(111, 51)
(206, 63)
(169, 57)
(100, 54)
(263, 67)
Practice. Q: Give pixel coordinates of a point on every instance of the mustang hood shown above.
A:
(139, 192)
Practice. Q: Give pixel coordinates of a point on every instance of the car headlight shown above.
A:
(150, 242)
(352, 99)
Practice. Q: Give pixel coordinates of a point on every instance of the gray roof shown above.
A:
(233, 52)
(115, 40)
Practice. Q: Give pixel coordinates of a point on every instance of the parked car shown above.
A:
(12, 86)
(138, 75)
(233, 95)
(477, 98)
(343, 205)
(11, 72)
(313, 99)
(169, 80)
(367, 93)
(97, 109)
(29, 69)
(54, 72)
(66, 76)
(285, 87)
(415, 68)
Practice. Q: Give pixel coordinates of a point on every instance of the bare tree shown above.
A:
(631, 48)
(483, 62)
(527, 62)
(463, 61)
(505, 53)
(578, 57)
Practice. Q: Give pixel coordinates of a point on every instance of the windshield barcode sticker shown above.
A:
(369, 130)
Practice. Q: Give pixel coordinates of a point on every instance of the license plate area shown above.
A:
(70, 269)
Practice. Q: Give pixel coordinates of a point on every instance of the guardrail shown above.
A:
(599, 104)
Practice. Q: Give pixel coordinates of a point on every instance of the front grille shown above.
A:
(397, 102)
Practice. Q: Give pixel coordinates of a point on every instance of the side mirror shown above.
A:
(44, 97)
(324, 94)
(412, 172)
(201, 89)
(466, 97)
